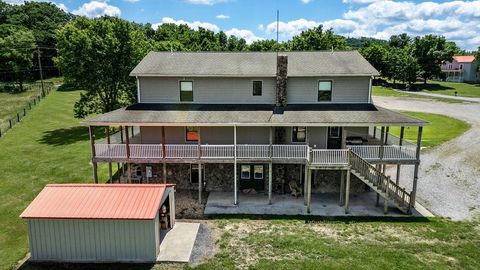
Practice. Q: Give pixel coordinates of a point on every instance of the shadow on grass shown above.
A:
(65, 136)
(313, 219)
(81, 266)
(67, 87)
(434, 87)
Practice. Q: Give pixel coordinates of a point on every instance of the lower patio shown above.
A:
(325, 204)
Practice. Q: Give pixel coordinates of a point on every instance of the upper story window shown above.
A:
(324, 90)
(186, 91)
(191, 134)
(299, 134)
(257, 88)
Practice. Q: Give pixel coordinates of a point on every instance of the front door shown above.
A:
(334, 138)
(252, 176)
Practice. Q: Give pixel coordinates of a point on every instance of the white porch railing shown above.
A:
(111, 150)
(329, 156)
(217, 151)
(390, 152)
(179, 151)
(290, 151)
(252, 151)
(146, 150)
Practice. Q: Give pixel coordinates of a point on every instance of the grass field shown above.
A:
(435, 133)
(449, 88)
(389, 92)
(48, 146)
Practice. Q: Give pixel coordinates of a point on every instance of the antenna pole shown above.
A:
(278, 16)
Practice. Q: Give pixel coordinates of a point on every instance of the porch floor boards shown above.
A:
(326, 204)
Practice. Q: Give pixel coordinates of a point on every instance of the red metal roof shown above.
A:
(97, 201)
(464, 58)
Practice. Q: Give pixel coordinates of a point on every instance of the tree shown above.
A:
(17, 45)
(400, 41)
(376, 54)
(401, 66)
(431, 51)
(98, 56)
(318, 39)
(268, 45)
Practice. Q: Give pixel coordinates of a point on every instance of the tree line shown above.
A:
(98, 54)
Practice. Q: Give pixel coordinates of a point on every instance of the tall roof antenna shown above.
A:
(278, 16)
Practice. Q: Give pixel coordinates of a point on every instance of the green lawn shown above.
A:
(449, 88)
(436, 133)
(389, 92)
(48, 146)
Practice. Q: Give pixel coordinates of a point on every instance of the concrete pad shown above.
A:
(327, 204)
(178, 243)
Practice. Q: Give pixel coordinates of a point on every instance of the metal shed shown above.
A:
(98, 222)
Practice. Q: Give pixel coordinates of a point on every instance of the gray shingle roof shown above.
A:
(233, 114)
(258, 64)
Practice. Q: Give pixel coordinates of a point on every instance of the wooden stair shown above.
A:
(379, 182)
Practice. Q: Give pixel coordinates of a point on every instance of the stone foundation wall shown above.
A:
(219, 177)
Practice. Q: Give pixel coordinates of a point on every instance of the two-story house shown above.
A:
(263, 121)
(462, 68)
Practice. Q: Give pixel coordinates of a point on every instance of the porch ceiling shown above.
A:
(352, 114)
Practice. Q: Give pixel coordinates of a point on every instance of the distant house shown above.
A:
(463, 68)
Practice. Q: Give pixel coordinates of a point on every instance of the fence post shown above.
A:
(34, 101)
(18, 117)
(10, 122)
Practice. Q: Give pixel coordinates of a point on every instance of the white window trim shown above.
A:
(252, 88)
(331, 91)
(249, 171)
(180, 90)
(306, 135)
(263, 172)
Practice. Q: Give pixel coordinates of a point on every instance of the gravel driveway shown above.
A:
(449, 177)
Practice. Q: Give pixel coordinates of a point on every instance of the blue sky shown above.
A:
(253, 20)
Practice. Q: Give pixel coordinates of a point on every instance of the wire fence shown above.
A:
(15, 119)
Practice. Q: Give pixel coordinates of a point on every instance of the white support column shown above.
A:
(400, 143)
(91, 132)
(413, 195)
(342, 187)
(164, 155)
(200, 180)
(305, 184)
(171, 198)
(309, 190)
(235, 188)
(270, 167)
(110, 170)
(347, 193)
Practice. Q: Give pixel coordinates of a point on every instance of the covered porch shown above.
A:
(326, 204)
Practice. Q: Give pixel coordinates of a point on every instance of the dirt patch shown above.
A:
(434, 258)
(187, 206)
(205, 245)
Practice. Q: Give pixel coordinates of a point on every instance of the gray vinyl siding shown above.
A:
(207, 90)
(70, 240)
(344, 89)
(209, 135)
(356, 131)
(316, 137)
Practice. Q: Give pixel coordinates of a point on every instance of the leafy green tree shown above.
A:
(268, 45)
(17, 45)
(98, 56)
(401, 66)
(222, 40)
(3, 12)
(376, 54)
(400, 41)
(318, 39)
(431, 51)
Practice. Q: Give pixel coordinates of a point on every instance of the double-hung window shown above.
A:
(186, 91)
(324, 90)
(245, 172)
(257, 88)
(191, 134)
(299, 134)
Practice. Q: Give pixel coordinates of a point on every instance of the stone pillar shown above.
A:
(281, 83)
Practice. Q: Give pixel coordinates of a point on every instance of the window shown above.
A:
(324, 90)
(186, 91)
(334, 132)
(258, 171)
(194, 175)
(245, 172)
(257, 88)
(191, 134)
(299, 134)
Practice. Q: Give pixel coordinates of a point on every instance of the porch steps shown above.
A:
(379, 182)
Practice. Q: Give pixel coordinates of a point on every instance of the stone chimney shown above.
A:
(282, 66)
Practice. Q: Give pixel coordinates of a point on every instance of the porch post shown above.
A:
(110, 174)
(121, 134)
(415, 171)
(347, 193)
(400, 143)
(342, 187)
(127, 145)
(385, 200)
(91, 133)
(309, 190)
(235, 189)
(344, 138)
(164, 152)
(270, 167)
(200, 180)
(305, 184)
(385, 143)
(380, 156)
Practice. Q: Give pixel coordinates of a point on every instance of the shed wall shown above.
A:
(71, 240)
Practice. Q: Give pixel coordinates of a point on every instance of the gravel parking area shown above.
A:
(449, 177)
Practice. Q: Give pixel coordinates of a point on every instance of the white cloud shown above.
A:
(306, 1)
(132, 1)
(61, 6)
(222, 17)
(194, 25)
(248, 35)
(94, 9)
(205, 2)
(458, 21)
